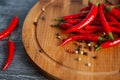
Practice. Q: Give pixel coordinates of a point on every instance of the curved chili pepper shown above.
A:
(86, 8)
(91, 37)
(113, 11)
(104, 22)
(89, 19)
(10, 28)
(11, 48)
(108, 44)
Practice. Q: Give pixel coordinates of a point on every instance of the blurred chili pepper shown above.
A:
(89, 19)
(104, 22)
(90, 37)
(108, 44)
(11, 48)
(10, 28)
(65, 25)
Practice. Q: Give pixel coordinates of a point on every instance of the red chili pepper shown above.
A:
(113, 11)
(73, 21)
(91, 37)
(11, 48)
(104, 22)
(89, 19)
(113, 29)
(86, 30)
(110, 18)
(10, 28)
(65, 25)
(72, 16)
(108, 44)
(86, 8)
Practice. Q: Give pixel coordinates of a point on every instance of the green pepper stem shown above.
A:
(98, 48)
(89, 1)
(59, 19)
(101, 39)
(99, 2)
(111, 36)
(110, 7)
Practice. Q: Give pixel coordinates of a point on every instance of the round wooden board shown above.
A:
(42, 46)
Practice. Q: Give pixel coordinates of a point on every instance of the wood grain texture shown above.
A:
(54, 60)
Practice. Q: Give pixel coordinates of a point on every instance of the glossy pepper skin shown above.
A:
(91, 37)
(11, 49)
(89, 19)
(104, 22)
(108, 44)
(10, 28)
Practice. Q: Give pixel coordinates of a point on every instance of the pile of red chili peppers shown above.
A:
(11, 44)
(92, 20)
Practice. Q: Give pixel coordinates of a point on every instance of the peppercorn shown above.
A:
(43, 18)
(94, 57)
(85, 53)
(58, 36)
(35, 23)
(41, 51)
(78, 59)
(88, 64)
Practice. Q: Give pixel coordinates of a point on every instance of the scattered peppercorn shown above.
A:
(79, 59)
(41, 51)
(43, 18)
(94, 57)
(35, 23)
(85, 53)
(88, 64)
(58, 36)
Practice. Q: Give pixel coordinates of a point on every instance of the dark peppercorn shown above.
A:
(41, 51)
(88, 64)
(106, 36)
(35, 23)
(80, 46)
(58, 36)
(80, 41)
(89, 47)
(94, 57)
(43, 18)
(99, 42)
(85, 53)
(87, 42)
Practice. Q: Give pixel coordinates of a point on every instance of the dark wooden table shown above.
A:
(21, 68)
